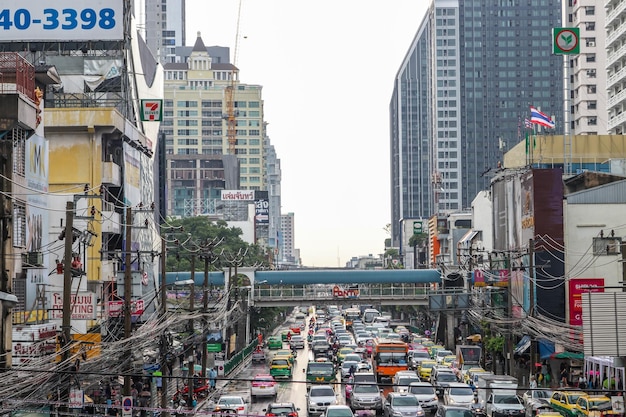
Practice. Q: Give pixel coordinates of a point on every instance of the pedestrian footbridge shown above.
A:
(317, 286)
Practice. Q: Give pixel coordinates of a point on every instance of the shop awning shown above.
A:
(546, 348)
(567, 355)
(523, 345)
(467, 237)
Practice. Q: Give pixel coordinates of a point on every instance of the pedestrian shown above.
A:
(533, 383)
(158, 380)
(212, 376)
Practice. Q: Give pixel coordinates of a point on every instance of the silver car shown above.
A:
(401, 404)
(366, 397)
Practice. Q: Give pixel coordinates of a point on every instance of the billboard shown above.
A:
(577, 287)
(83, 305)
(237, 195)
(62, 20)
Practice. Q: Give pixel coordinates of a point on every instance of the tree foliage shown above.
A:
(201, 237)
(418, 239)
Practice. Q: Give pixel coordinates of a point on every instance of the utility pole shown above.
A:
(192, 355)
(128, 282)
(205, 307)
(164, 343)
(531, 312)
(66, 322)
(509, 302)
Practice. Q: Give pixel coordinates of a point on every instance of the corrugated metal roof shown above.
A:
(613, 193)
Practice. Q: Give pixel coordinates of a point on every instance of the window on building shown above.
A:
(19, 224)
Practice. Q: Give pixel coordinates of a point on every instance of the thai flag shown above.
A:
(528, 124)
(540, 118)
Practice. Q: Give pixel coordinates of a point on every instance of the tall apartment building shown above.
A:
(164, 27)
(587, 70)
(194, 125)
(287, 229)
(615, 64)
(460, 98)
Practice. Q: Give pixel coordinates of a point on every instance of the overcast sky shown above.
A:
(327, 69)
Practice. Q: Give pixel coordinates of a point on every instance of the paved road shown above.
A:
(288, 391)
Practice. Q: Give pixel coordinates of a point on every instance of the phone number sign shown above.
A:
(62, 20)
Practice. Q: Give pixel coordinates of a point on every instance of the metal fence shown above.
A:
(239, 357)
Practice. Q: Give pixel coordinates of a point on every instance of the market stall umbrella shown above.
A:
(474, 338)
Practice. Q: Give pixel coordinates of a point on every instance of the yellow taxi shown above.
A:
(471, 374)
(585, 405)
(432, 350)
(448, 360)
(280, 367)
(564, 401)
(341, 353)
(425, 369)
(285, 353)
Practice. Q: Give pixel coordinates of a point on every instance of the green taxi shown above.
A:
(274, 343)
(565, 402)
(280, 367)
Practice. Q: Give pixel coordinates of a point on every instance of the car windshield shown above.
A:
(427, 365)
(280, 362)
(596, 403)
(505, 400)
(404, 401)
(389, 358)
(572, 398)
(459, 413)
(280, 410)
(322, 392)
(461, 391)
(421, 390)
(320, 368)
(442, 353)
(446, 377)
(339, 412)
(421, 355)
(264, 379)
(230, 401)
(543, 394)
(406, 380)
(365, 389)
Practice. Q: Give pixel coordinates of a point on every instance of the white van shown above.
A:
(381, 321)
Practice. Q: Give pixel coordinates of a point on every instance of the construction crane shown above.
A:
(231, 122)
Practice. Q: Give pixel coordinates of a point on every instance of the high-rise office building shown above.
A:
(616, 78)
(287, 227)
(195, 125)
(164, 27)
(587, 70)
(461, 96)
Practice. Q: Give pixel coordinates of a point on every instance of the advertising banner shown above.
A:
(577, 287)
(262, 211)
(83, 305)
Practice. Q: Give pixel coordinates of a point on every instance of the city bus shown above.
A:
(389, 357)
(350, 315)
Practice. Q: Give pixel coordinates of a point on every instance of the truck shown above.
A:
(497, 395)
(468, 356)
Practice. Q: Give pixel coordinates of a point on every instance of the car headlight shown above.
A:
(420, 412)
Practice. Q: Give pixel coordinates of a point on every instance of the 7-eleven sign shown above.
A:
(151, 110)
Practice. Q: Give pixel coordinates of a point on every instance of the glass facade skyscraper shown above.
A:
(461, 96)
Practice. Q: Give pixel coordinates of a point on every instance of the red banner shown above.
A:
(577, 287)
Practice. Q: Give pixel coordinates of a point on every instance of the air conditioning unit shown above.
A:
(591, 43)
(32, 259)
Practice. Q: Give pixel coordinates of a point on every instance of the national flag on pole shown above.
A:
(540, 118)
(528, 124)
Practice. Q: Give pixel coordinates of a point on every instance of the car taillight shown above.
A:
(293, 414)
(270, 415)
(240, 408)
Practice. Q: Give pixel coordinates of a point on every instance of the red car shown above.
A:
(295, 330)
(281, 410)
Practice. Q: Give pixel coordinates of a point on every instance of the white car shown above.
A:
(263, 385)
(442, 354)
(345, 368)
(338, 411)
(319, 398)
(458, 393)
(232, 402)
(297, 341)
